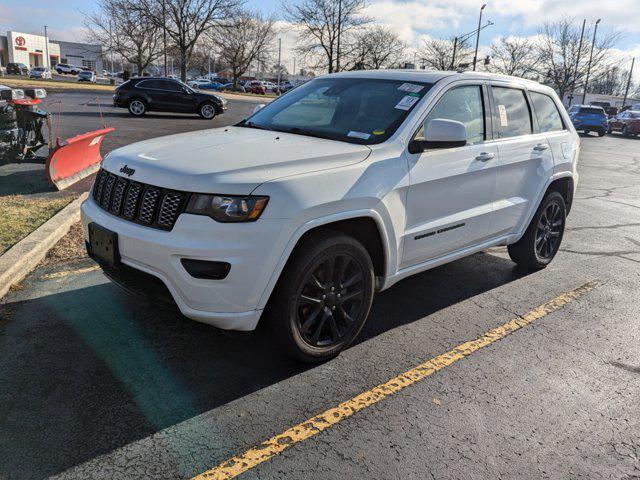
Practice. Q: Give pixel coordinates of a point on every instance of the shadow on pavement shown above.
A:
(90, 370)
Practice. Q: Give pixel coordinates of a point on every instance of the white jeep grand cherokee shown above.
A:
(342, 187)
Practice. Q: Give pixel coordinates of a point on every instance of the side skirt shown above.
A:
(450, 257)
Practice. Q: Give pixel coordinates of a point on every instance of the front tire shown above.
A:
(541, 241)
(625, 131)
(207, 111)
(323, 298)
(137, 107)
(601, 133)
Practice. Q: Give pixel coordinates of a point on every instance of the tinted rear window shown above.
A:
(592, 110)
(547, 113)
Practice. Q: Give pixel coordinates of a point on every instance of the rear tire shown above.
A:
(137, 107)
(601, 133)
(543, 236)
(323, 297)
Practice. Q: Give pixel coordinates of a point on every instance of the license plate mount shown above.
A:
(103, 244)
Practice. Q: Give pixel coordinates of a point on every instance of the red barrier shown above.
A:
(75, 158)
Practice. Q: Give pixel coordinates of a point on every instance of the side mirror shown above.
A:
(440, 133)
(259, 107)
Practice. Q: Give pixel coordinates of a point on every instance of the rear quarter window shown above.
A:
(511, 115)
(547, 113)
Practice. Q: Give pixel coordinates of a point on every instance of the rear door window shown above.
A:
(171, 86)
(547, 113)
(511, 115)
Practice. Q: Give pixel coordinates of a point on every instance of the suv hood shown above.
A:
(230, 160)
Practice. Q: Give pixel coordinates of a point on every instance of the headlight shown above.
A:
(227, 208)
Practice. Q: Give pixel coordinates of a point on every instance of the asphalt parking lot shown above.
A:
(96, 384)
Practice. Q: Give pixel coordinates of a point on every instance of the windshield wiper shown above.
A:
(257, 126)
(310, 133)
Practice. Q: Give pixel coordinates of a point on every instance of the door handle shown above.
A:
(541, 147)
(485, 156)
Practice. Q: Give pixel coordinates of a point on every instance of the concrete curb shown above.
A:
(19, 260)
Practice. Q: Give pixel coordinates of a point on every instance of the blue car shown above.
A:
(589, 118)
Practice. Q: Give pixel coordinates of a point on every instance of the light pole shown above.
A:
(575, 75)
(110, 46)
(475, 55)
(339, 32)
(46, 45)
(626, 90)
(164, 37)
(463, 38)
(279, 58)
(586, 82)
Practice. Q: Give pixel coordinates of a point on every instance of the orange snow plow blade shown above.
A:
(75, 158)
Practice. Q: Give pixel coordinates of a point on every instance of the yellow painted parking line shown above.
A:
(66, 273)
(239, 464)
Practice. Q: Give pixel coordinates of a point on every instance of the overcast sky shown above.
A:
(411, 19)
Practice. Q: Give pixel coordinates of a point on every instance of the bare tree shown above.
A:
(374, 47)
(248, 37)
(126, 31)
(438, 54)
(322, 25)
(562, 63)
(513, 56)
(612, 81)
(186, 21)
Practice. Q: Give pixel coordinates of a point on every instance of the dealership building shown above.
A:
(40, 51)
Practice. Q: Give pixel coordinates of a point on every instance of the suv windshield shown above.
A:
(355, 110)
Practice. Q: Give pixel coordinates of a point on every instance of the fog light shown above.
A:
(206, 269)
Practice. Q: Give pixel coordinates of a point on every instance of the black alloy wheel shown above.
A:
(550, 227)
(330, 300)
(541, 241)
(323, 297)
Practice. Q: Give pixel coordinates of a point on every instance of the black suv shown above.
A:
(17, 69)
(144, 94)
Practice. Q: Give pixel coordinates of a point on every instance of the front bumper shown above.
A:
(252, 249)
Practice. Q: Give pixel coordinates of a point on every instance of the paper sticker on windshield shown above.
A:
(503, 115)
(406, 102)
(378, 132)
(362, 135)
(410, 87)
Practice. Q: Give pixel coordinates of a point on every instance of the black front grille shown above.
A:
(140, 203)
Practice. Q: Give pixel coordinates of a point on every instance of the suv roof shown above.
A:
(432, 76)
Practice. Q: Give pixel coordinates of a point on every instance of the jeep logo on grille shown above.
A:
(127, 171)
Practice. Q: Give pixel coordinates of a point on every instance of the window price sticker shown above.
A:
(410, 87)
(407, 102)
(502, 110)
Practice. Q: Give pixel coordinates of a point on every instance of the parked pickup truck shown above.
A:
(341, 188)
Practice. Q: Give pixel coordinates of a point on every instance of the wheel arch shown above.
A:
(367, 226)
(138, 97)
(565, 187)
(563, 183)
